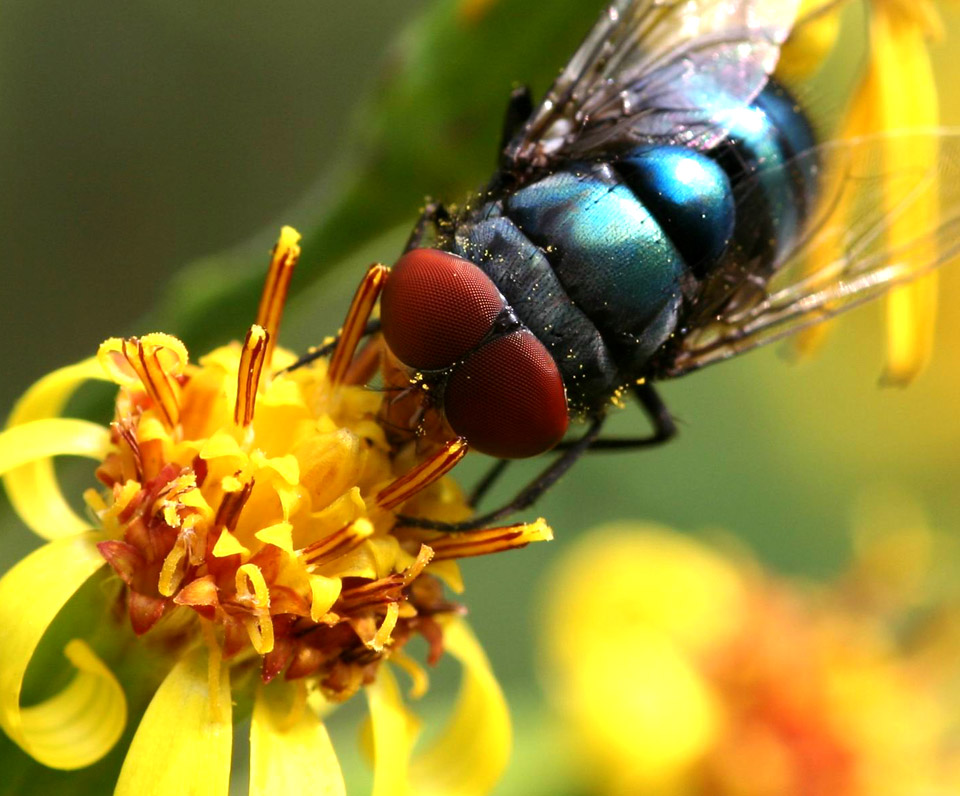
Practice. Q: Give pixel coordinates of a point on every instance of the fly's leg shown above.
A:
(527, 496)
(487, 482)
(434, 215)
(664, 427)
(314, 354)
(519, 108)
(664, 430)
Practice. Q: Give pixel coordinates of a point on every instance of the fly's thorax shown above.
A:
(612, 257)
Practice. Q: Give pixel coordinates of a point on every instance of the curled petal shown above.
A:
(393, 736)
(469, 756)
(290, 750)
(97, 705)
(184, 740)
(25, 455)
(48, 396)
(49, 515)
(53, 436)
(79, 725)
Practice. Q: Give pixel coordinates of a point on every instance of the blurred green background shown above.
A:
(140, 137)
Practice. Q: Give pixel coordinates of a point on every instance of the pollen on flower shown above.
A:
(261, 501)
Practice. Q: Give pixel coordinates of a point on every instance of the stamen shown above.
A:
(260, 626)
(424, 556)
(357, 316)
(339, 542)
(424, 474)
(284, 257)
(489, 540)
(385, 590)
(155, 361)
(228, 513)
(169, 576)
(386, 628)
(248, 374)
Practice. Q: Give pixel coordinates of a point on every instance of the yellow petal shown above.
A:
(859, 120)
(94, 698)
(470, 755)
(323, 594)
(449, 572)
(79, 725)
(221, 444)
(180, 747)
(901, 87)
(290, 750)
(393, 736)
(287, 467)
(228, 545)
(48, 396)
(54, 436)
(33, 487)
(279, 535)
(811, 41)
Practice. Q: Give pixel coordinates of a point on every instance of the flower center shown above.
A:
(261, 502)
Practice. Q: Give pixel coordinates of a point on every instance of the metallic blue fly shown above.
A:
(651, 216)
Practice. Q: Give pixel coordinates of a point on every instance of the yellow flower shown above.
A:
(681, 671)
(248, 516)
(897, 92)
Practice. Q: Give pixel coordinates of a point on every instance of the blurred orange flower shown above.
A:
(680, 670)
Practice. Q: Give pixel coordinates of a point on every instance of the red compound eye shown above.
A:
(507, 399)
(436, 307)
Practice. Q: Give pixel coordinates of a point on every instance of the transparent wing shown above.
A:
(655, 71)
(876, 226)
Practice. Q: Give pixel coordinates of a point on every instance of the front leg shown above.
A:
(526, 497)
(519, 108)
(433, 216)
(664, 427)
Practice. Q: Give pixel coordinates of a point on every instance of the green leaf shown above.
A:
(433, 129)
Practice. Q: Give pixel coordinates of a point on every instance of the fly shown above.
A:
(651, 216)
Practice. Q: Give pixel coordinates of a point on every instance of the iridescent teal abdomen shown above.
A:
(689, 195)
(776, 185)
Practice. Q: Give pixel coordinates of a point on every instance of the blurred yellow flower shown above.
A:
(897, 92)
(678, 670)
(249, 516)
